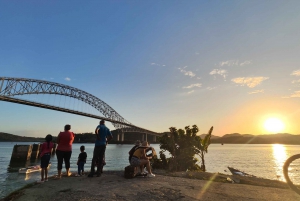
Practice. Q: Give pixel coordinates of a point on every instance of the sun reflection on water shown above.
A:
(280, 156)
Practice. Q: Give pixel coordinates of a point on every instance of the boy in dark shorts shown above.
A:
(81, 161)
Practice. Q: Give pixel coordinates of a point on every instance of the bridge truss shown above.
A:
(12, 87)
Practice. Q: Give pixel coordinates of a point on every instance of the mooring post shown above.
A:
(21, 152)
(35, 151)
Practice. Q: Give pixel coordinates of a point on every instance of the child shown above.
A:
(45, 149)
(81, 161)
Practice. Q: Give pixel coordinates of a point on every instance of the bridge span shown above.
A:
(12, 87)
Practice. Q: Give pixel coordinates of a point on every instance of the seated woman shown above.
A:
(139, 158)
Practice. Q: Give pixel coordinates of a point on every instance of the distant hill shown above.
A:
(6, 137)
(258, 139)
(212, 136)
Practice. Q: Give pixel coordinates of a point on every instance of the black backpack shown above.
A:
(129, 172)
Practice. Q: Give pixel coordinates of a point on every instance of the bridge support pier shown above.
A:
(122, 137)
(146, 137)
(154, 138)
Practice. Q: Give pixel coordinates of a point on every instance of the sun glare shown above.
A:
(274, 125)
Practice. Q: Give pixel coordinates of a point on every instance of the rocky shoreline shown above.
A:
(165, 186)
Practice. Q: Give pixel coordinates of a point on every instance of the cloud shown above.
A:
(156, 64)
(197, 53)
(221, 72)
(296, 94)
(68, 79)
(191, 92)
(229, 63)
(256, 91)
(295, 81)
(249, 81)
(296, 73)
(192, 86)
(198, 78)
(210, 88)
(245, 63)
(188, 73)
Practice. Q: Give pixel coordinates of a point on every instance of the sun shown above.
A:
(274, 125)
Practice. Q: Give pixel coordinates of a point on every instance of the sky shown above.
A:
(159, 64)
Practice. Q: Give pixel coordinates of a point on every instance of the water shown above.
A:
(261, 160)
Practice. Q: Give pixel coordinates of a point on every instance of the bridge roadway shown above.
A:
(130, 128)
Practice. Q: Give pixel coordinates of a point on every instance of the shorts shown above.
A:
(135, 161)
(45, 160)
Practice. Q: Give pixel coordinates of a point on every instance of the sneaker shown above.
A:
(151, 175)
(39, 182)
(77, 175)
(145, 171)
(45, 180)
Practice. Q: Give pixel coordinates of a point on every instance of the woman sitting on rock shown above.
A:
(139, 158)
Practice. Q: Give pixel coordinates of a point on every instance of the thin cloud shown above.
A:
(198, 78)
(296, 94)
(68, 79)
(256, 91)
(229, 63)
(295, 81)
(197, 53)
(296, 73)
(210, 88)
(192, 86)
(245, 63)
(187, 73)
(249, 81)
(221, 72)
(156, 64)
(191, 92)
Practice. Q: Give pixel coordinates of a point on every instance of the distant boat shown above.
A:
(31, 169)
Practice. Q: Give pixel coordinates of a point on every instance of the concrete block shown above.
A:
(21, 152)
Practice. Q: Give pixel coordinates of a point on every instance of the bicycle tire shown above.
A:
(286, 172)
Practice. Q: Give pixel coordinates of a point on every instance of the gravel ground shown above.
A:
(113, 186)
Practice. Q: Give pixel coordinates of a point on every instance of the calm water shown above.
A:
(261, 160)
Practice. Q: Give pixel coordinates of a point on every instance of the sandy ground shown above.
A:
(113, 186)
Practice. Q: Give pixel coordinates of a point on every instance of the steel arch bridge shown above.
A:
(11, 87)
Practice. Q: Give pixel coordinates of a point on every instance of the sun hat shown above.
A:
(145, 144)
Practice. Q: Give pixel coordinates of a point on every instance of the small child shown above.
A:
(81, 161)
(45, 150)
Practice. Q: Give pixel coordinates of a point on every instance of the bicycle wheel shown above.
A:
(286, 165)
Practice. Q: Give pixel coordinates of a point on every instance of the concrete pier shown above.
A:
(35, 151)
(21, 152)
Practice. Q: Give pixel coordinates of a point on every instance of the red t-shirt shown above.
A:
(45, 149)
(65, 141)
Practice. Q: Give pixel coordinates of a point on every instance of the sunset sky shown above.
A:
(227, 64)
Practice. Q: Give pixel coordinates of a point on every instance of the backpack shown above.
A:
(129, 172)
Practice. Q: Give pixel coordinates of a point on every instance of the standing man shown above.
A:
(103, 137)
